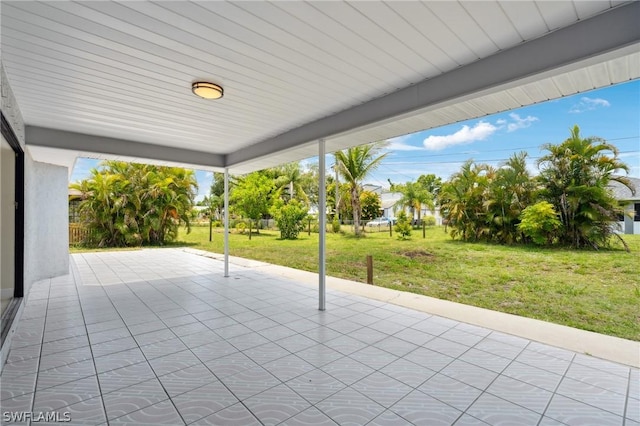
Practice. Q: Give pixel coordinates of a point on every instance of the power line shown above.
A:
(505, 149)
(413, 163)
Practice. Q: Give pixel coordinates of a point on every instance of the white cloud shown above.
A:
(589, 104)
(400, 144)
(465, 135)
(520, 123)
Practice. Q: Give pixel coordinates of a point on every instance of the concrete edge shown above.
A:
(610, 348)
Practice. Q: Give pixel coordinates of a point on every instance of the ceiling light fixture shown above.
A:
(207, 90)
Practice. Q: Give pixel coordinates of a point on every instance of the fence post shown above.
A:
(369, 269)
(423, 229)
(390, 229)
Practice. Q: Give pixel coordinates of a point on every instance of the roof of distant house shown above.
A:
(621, 192)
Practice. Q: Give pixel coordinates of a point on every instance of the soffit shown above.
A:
(123, 70)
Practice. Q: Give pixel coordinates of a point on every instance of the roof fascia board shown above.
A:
(80, 142)
(595, 36)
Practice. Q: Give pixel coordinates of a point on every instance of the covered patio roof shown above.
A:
(112, 79)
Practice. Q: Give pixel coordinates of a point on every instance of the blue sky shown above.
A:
(612, 113)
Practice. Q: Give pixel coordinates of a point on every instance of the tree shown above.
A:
(289, 217)
(216, 195)
(344, 207)
(126, 204)
(403, 227)
(371, 205)
(461, 201)
(252, 196)
(431, 183)
(354, 164)
(290, 183)
(414, 196)
(540, 223)
(574, 176)
(510, 190)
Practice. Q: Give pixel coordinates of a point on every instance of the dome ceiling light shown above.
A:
(207, 90)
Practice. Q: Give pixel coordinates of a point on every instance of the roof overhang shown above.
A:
(590, 53)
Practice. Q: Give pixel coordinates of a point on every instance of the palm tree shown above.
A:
(290, 183)
(127, 204)
(354, 164)
(461, 201)
(575, 175)
(414, 196)
(508, 194)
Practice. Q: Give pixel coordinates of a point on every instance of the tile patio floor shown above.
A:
(160, 337)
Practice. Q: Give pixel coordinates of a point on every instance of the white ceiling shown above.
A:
(123, 70)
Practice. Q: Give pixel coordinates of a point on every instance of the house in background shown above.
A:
(631, 201)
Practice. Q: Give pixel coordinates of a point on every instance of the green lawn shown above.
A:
(597, 291)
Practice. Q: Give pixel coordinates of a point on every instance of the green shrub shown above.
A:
(241, 227)
(216, 224)
(540, 223)
(429, 220)
(335, 225)
(289, 218)
(403, 226)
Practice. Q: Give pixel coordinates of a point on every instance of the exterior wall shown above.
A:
(7, 223)
(12, 113)
(10, 108)
(46, 221)
(629, 225)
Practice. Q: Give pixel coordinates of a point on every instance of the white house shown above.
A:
(631, 220)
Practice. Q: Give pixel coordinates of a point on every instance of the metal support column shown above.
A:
(322, 217)
(226, 222)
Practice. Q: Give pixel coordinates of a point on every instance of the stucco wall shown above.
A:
(10, 107)
(46, 221)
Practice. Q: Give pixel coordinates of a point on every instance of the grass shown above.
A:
(596, 291)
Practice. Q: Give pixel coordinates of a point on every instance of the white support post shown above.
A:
(226, 222)
(322, 216)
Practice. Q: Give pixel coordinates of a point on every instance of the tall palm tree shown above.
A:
(575, 175)
(354, 164)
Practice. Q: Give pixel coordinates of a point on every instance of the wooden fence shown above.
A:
(77, 233)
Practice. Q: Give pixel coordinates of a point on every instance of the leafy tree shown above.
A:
(354, 164)
(574, 176)
(289, 217)
(371, 205)
(431, 183)
(403, 226)
(540, 223)
(126, 204)
(251, 196)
